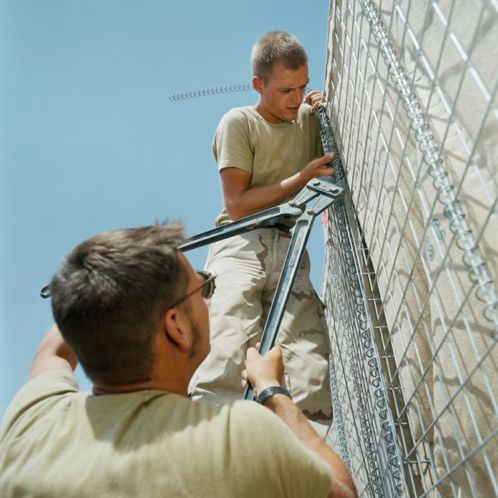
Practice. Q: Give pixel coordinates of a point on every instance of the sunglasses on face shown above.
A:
(207, 287)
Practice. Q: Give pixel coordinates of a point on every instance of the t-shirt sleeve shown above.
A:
(275, 458)
(37, 390)
(231, 144)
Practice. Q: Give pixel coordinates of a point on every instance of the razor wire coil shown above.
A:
(214, 90)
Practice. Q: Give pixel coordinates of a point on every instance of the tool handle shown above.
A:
(249, 394)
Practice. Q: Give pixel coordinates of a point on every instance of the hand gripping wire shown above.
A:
(316, 196)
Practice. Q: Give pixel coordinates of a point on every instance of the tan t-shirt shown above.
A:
(56, 442)
(269, 152)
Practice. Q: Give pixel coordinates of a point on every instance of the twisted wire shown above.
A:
(394, 479)
(215, 90)
(338, 416)
(465, 241)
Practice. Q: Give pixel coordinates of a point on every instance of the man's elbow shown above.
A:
(233, 210)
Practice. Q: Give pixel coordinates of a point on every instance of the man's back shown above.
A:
(58, 442)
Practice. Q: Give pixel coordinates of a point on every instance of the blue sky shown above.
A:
(90, 142)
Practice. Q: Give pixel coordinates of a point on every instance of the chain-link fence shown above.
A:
(412, 252)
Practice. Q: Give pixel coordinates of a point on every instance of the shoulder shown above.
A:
(236, 115)
(233, 142)
(250, 410)
(236, 413)
(267, 442)
(245, 112)
(271, 431)
(37, 392)
(237, 416)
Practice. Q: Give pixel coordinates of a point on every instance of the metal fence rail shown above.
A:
(412, 253)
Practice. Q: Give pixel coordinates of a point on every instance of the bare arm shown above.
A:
(53, 354)
(263, 372)
(242, 200)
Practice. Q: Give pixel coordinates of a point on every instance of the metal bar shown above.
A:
(326, 194)
(283, 213)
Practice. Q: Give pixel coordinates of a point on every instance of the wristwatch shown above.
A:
(271, 391)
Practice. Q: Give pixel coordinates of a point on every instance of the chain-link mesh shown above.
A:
(412, 253)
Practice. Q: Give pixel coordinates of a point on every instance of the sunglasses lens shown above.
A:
(208, 287)
(206, 291)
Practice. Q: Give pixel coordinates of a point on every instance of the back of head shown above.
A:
(109, 294)
(276, 47)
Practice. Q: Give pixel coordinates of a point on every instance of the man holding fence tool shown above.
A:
(131, 310)
(267, 153)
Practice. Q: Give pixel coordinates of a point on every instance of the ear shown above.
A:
(177, 329)
(258, 84)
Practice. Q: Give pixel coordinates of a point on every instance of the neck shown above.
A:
(171, 385)
(268, 116)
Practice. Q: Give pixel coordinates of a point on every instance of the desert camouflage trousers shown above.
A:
(248, 267)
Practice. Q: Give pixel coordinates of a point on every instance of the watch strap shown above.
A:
(271, 391)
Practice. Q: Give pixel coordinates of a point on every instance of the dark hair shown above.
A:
(277, 47)
(109, 294)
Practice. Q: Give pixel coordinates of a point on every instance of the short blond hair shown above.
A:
(277, 47)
